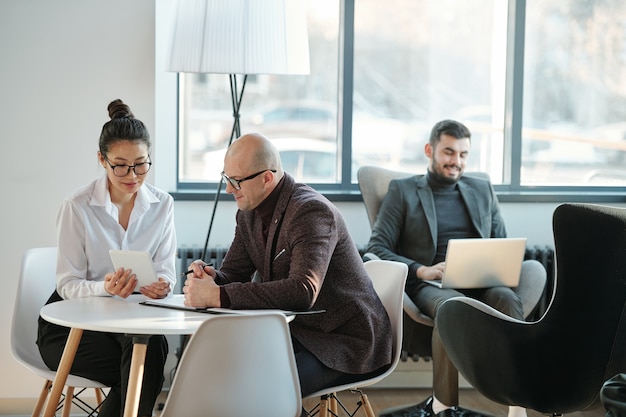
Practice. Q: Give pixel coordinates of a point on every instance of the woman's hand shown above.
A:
(159, 289)
(121, 282)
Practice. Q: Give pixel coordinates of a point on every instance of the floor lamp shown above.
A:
(238, 37)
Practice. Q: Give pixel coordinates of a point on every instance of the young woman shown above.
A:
(115, 211)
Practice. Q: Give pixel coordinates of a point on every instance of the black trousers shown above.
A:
(315, 376)
(106, 357)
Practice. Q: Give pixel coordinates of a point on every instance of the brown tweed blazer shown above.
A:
(310, 262)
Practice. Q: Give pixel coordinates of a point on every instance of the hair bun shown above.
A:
(118, 110)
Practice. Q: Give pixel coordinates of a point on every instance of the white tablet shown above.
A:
(139, 262)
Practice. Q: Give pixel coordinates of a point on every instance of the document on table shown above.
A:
(177, 302)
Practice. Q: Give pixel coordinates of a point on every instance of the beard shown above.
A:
(439, 176)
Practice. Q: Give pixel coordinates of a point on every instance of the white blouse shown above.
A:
(88, 226)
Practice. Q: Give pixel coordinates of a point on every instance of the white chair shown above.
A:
(388, 278)
(36, 283)
(237, 365)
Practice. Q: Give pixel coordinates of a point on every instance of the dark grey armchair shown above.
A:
(559, 363)
(418, 327)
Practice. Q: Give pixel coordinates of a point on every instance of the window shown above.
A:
(548, 117)
(417, 62)
(574, 93)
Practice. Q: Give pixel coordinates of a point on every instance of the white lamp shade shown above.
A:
(240, 37)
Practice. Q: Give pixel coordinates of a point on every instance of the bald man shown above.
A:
(298, 244)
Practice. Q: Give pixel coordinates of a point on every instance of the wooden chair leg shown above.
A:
(99, 398)
(333, 404)
(42, 398)
(67, 403)
(367, 406)
(324, 406)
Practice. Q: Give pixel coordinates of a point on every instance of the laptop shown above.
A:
(482, 263)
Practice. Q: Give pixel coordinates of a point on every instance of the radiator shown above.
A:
(543, 254)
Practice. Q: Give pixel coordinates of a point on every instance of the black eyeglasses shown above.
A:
(237, 183)
(124, 170)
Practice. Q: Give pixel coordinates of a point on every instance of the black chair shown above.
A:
(559, 363)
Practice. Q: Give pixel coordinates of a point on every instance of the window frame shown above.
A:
(511, 191)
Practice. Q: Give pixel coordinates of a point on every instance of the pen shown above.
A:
(279, 253)
(191, 271)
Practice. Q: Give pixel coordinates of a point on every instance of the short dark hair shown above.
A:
(448, 127)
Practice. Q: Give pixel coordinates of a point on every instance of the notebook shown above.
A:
(482, 263)
(177, 302)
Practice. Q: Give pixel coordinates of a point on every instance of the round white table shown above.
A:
(116, 315)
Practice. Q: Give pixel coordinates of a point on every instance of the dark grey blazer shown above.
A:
(310, 262)
(406, 225)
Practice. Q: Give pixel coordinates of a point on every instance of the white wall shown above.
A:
(62, 62)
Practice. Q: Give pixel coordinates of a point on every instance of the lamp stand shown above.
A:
(236, 96)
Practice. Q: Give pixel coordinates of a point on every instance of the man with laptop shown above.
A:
(424, 218)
